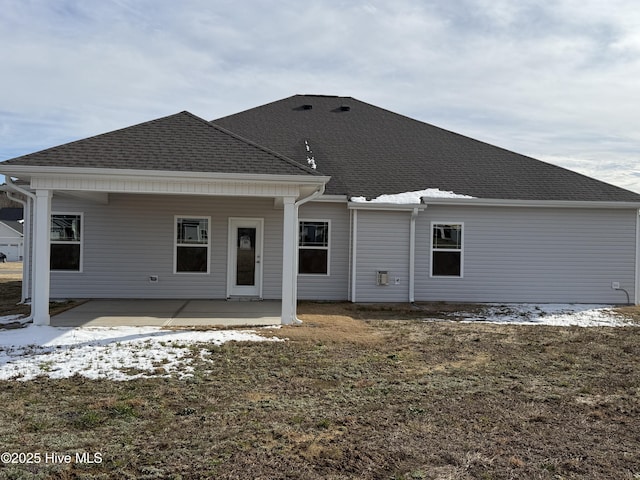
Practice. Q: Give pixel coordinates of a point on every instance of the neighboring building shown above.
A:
(13, 214)
(11, 240)
(11, 236)
(320, 197)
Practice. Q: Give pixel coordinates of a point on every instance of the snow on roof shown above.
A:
(410, 197)
(310, 158)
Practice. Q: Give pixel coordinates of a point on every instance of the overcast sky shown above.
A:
(556, 80)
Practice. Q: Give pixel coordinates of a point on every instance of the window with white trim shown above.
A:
(192, 246)
(66, 242)
(446, 249)
(313, 247)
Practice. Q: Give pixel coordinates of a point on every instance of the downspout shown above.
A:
(354, 267)
(26, 240)
(296, 206)
(412, 255)
(350, 257)
(25, 271)
(636, 301)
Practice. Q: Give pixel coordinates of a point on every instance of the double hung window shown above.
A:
(66, 242)
(313, 247)
(192, 244)
(446, 249)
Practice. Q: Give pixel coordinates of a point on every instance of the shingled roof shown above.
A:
(369, 151)
(182, 142)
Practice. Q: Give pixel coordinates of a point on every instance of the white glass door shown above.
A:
(244, 273)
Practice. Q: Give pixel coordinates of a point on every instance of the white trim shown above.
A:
(232, 289)
(493, 202)
(327, 248)
(191, 245)
(81, 242)
(332, 198)
(40, 171)
(461, 250)
(386, 206)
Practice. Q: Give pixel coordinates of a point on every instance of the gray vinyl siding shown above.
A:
(334, 286)
(382, 244)
(131, 238)
(540, 255)
(510, 254)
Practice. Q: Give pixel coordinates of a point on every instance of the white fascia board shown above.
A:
(332, 199)
(498, 202)
(24, 171)
(386, 206)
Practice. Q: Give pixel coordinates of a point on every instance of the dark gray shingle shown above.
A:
(370, 151)
(180, 142)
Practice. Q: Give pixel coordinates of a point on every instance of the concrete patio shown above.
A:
(170, 313)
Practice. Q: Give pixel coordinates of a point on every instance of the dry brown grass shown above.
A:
(11, 290)
(358, 392)
(11, 293)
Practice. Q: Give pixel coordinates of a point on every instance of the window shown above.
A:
(192, 245)
(66, 242)
(313, 247)
(446, 249)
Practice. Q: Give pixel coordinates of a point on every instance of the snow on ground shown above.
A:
(126, 353)
(549, 314)
(10, 319)
(122, 353)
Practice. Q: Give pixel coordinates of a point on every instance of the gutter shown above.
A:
(26, 171)
(27, 286)
(498, 202)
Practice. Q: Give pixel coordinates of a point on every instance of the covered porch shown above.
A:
(170, 313)
(226, 202)
(168, 198)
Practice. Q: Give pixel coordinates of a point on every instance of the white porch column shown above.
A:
(41, 254)
(289, 249)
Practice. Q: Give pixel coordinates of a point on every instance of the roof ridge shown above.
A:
(292, 162)
(319, 95)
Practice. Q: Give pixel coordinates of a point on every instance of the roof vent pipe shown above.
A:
(345, 108)
(307, 106)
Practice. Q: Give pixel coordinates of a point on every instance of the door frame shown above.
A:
(232, 289)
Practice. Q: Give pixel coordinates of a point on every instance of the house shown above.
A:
(11, 234)
(323, 198)
(11, 240)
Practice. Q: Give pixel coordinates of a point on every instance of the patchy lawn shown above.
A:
(11, 293)
(355, 392)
